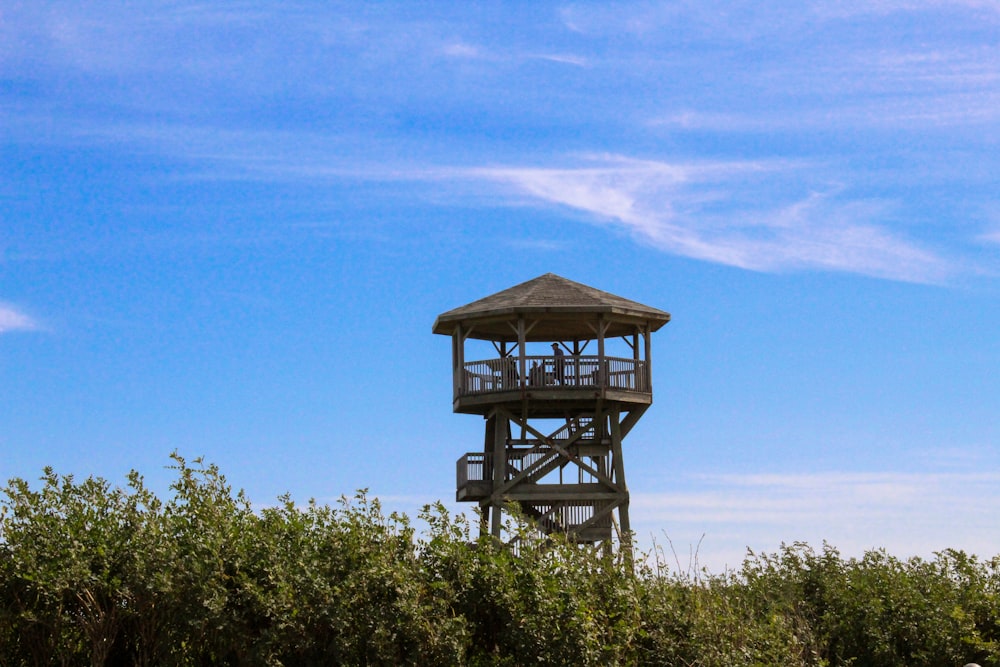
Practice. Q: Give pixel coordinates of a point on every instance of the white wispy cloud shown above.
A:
(710, 212)
(563, 58)
(12, 319)
(991, 237)
(909, 514)
(892, 88)
(840, 9)
(467, 51)
(938, 110)
(461, 50)
(762, 215)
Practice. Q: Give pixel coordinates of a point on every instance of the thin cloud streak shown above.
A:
(14, 320)
(938, 111)
(829, 499)
(852, 511)
(708, 212)
(563, 58)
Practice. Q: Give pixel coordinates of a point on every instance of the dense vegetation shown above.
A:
(99, 575)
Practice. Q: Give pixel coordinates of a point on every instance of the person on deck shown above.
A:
(536, 377)
(559, 363)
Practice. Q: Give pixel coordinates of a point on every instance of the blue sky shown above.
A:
(226, 229)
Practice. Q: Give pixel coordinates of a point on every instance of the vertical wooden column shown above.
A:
(649, 359)
(501, 426)
(640, 380)
(456, 361)
(521, 352)
(619, 478)
(602, 371)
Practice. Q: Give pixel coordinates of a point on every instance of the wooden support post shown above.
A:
(619, 477)
(488, 440)
(602, 371)
(522, 353)
(457, 366)
(649, 360)
(501, 430)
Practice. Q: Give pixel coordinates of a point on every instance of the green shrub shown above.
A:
(96, 575)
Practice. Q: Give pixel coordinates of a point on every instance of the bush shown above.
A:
(96, 575)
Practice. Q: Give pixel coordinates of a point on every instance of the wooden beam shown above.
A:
(632, 418)
(548, 441)
(619, 470)
(560, 493)
(646, 334)
(499, 466)
(521, 354)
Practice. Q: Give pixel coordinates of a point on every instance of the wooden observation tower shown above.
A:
(561, 372)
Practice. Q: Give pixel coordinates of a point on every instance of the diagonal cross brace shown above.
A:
(611, 506)
(560, 450)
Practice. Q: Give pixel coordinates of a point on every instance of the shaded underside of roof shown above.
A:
(558, 308)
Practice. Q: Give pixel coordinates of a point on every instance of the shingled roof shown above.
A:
(555, 303)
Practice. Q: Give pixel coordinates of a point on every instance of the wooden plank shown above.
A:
(561, 493)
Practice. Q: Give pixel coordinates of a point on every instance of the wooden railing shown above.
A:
(477, 467)
(474, 467)
(570, 516)
(552, 372)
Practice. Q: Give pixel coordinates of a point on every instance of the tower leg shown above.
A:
(619, 477)
(484, 520)
(500, 434)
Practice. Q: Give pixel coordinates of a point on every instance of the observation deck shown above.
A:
(549, 380)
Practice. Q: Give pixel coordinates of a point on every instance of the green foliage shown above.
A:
(96, 575)
(551, 603)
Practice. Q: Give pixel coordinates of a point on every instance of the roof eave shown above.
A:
(446, 323)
